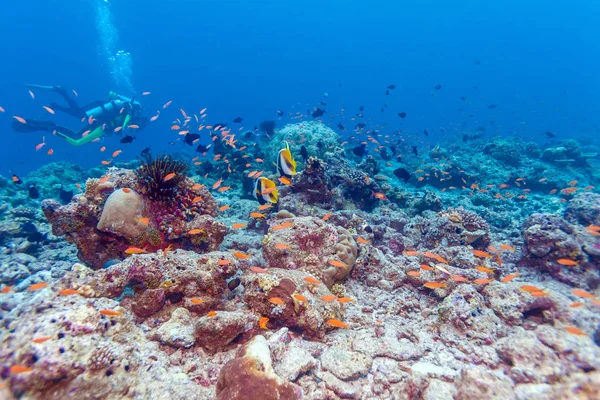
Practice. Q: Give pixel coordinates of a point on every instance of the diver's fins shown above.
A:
(43, 87)
(32, 126)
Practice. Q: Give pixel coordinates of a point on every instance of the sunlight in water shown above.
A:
(119, 62)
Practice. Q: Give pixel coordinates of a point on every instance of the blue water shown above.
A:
(536, 60)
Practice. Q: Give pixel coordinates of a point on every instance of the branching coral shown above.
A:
(153, 174)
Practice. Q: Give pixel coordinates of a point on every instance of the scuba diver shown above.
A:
(102, 116)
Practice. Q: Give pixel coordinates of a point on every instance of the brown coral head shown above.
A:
(154, 175)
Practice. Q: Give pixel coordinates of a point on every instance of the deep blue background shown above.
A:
(539, 63)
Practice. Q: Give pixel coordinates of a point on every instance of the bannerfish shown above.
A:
(146, 151)
(403, 174)
(285, 161)
(265, 191)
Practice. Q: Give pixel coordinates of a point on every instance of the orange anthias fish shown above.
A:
(110, 313)
(530, 289)
(170, 176)
(566, 262)
(211, 314)
(223, 208)
(411, 253)
(338, 263)
(41, 339)
(301, 298)
(414, 273)
(362, 241)
(241, 255)
(329, 299)
(258, 270)
(507, 247)
(574, 331)
(238, 226)
(434, 285)
(195, 300)
(277, 301)
(345, 300)
(68, 292)
(257, 215)
(282, 246)
(326, 217)
(337, 323)
(379, 196)
(18, 369)
(479, 253)
(262, 322)
(217, 184)
(224, 262)
(283, 226)
(484, 269)
(510, 277)
(435, 257)
(135, 250)
(37, 286)
(482, 281)
(264, 207)
(582, 293)
(312, 280)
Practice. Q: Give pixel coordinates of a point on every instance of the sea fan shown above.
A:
(267, 127)
(153, 172)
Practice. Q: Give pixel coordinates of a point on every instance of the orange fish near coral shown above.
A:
(338, 263)
(217, 184)
(41, 339)
(566, 262)
(223, 208)
(19, 369)
(224, 262)
(510, 277)
(326, 217)
(238, 226)
(411, 253)
(582, 293)
(301, 298)
(459, 278)
(262, 322)
(414, 273)
(337, 323)
(312, 280)
(110, 313)
(258, 270)
(241, 255)
(329, 299)
(283, 226)
(482, 281)
(257, 215)
(276, 300)
(479, 253)
(345, 300)
(434, 285)
(362, 241)
(484, 269)
(170, 176)
(37, 286)
(195, 300)
(211, 314)
(135, 250)
(6, 289)
(282, 246)
(435, 257)
(574, 331)
(68, 292)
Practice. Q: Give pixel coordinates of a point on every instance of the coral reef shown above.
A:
(310, 245)
(114, 214)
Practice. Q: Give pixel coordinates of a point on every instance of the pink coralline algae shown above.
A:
(314, 247)
(116, 212)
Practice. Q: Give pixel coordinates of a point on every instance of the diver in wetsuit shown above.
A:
(105, 116)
